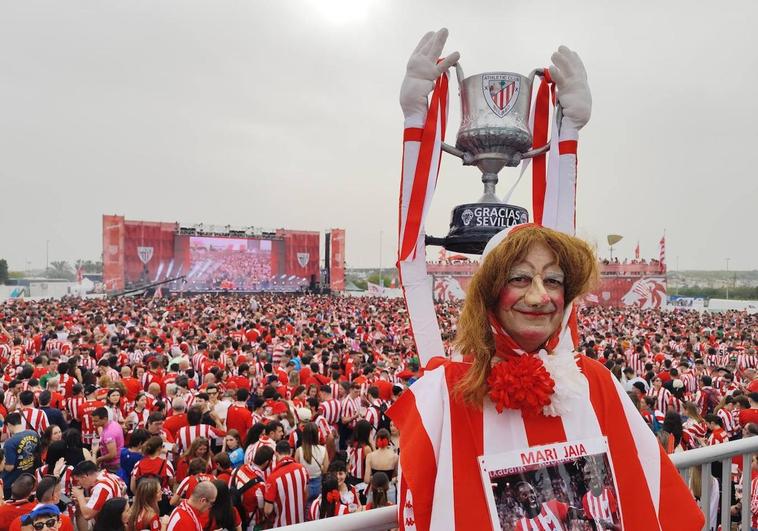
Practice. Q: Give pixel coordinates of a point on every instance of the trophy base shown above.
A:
(502, 146)
(472, 225)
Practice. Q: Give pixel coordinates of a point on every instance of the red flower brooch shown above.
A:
(520, 382)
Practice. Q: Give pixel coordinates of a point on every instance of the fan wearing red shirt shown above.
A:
(191, 514)
(747, 416)
(242, 379)
(131, 384)
(715, 425)
(179, 419)
(238, 416)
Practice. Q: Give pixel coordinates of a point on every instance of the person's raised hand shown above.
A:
(422, 70)
(573, 90)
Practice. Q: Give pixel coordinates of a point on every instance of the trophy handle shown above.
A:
(467, 158)
(459, 73)
(559, 113)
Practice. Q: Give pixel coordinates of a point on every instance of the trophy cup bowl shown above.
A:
(494, 133)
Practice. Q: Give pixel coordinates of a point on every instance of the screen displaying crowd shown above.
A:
(229, 264)
(224, 412)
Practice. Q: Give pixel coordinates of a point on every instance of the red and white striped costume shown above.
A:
(441, 437)
(186, 434)
(600, 508)
(651, 493)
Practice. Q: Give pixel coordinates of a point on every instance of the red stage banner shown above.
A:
(113, 252)
(337, 260)
(149, 251)
(302, 254)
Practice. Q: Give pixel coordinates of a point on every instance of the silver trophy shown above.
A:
(494, 133)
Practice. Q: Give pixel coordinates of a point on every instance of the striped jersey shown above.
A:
(600, 508)
(552, 517)
(286, 489)
(186, 434)
(108, 486)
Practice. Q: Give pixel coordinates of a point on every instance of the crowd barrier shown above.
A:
(386, 517)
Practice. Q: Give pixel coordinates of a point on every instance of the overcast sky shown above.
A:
(285, 114)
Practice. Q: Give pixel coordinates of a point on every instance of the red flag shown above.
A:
(637, 251)
(662, 253)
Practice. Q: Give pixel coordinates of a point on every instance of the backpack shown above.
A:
(237, 495)
(158, 476)
(710, 401)
(384, 420)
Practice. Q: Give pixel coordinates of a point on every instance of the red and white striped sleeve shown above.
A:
(422, 149)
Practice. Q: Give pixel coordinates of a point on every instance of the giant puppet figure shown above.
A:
(515, 384)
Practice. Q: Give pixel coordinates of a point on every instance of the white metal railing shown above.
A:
(386, 517)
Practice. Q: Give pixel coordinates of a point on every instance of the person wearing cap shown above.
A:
(44, 517)
(48, 495)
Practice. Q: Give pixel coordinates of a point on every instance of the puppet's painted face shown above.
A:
(531, 303)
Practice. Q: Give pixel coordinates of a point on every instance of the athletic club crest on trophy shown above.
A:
(502, 90)
(494, 133)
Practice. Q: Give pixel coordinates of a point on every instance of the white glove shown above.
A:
(422, 71)
(573, 90)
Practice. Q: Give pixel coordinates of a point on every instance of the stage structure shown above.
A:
(214, 258)
(621, 284)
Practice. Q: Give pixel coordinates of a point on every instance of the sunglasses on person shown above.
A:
(49, 523)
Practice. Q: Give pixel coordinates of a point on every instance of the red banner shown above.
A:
(149, 251)
(302, 254)
(641, 291)
(337, 260)
(113, 253)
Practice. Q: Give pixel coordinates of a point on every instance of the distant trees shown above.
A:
(3, 271)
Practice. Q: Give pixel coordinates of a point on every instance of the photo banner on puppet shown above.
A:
(556, 486)
(113, 253)
(337, 260)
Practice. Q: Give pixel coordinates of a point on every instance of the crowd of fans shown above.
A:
(224, 412)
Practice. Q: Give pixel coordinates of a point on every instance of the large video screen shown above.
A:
(230, 264)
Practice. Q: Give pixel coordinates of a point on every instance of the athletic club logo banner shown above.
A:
(500, 92)
(302, 259)
(145, 254)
